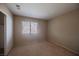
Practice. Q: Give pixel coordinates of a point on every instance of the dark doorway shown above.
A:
(2, 16)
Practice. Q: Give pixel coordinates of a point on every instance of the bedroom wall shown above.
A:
(64, 30)
(21, 39)
(8, 29)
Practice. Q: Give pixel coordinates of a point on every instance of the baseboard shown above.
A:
(62, 46)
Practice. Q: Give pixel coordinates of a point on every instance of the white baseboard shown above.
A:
(61, 45)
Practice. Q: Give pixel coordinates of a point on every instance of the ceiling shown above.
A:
(41, 10)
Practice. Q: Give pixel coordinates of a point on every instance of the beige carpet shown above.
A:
(39, 49)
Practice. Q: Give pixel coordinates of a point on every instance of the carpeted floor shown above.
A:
(39, 49)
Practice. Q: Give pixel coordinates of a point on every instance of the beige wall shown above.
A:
(65, 30)
(24, 39)
(8, 29)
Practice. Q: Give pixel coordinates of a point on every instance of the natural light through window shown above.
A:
(33, 27)
(26, 27)
(29, 27)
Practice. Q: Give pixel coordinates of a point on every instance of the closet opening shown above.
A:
(2, 17)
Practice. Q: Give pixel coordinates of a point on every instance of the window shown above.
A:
(29, 27)
(33, 27)
(26, 27)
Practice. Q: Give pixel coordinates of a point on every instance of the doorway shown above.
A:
(2, 17)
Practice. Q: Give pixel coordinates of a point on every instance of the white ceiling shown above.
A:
(41, 10)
